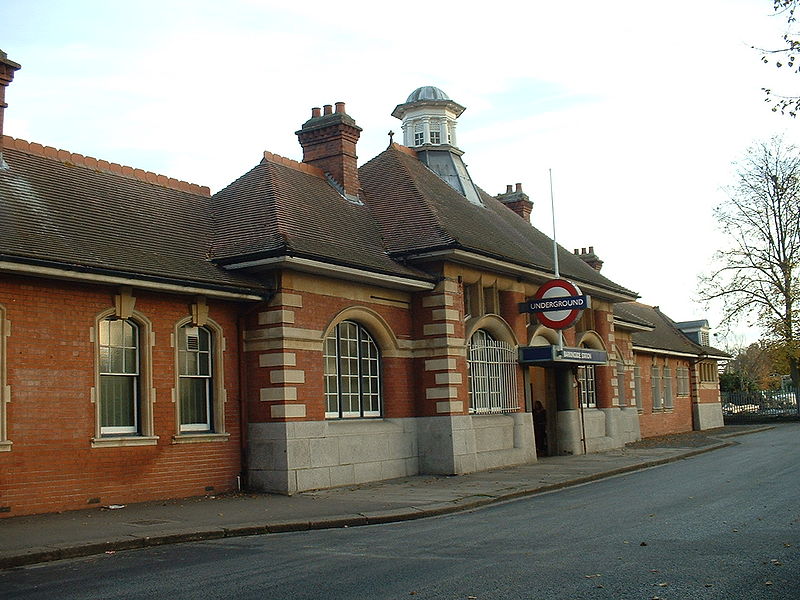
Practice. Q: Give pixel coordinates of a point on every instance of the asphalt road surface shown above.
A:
(722, 525)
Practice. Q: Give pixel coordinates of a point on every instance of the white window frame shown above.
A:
(683, 381)
(637, 386)
(130, 371)
(667, 379)
(655, 388)
(492, 367)
(587, 380)
(622, 397)
(201, 358)
(352, 370)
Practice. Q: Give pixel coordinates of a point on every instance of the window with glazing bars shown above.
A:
(667, 388)
(195, 378)
(492, 368)
(683, 381)
(119, 366)
(586, 380)
(622, 393)
(655, 387)
(637, 386)
(352, 373)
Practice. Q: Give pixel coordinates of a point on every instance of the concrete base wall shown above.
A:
(287, 458)
(707, 416)
(468, 443)
(606, 428)
(293, 457)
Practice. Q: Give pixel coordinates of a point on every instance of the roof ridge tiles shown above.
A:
(103, 165)
(293, 164)
(404, 149)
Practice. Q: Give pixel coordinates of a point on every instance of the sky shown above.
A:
(638, 109)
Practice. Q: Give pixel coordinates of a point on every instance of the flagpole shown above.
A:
(560, 348)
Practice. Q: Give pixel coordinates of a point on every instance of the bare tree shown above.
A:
(785, 56)
(758, 276)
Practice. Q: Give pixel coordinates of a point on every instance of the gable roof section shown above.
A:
(55, 211)
(282, 208)
(665, 336)
(418, 213)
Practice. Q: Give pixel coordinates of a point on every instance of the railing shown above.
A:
(761, 403)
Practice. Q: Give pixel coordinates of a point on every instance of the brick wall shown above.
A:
(662, 421)
(51, 417)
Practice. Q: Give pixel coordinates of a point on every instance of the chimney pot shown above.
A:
(509, 188)
(7, 69)
(330, 144)
(583, 250)
(519, 187)
(575, 251)
(315, 112)
(591, 249)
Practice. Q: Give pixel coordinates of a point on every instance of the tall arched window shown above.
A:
(195, 378)
(120, 377)
(492, 368)
(352, 373)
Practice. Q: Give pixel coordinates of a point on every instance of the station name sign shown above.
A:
(553, 354)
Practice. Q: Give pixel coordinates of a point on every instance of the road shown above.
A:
(721, 525)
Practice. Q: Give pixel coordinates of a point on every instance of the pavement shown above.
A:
(34, 539)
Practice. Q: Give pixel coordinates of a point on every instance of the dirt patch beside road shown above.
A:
(694, 439)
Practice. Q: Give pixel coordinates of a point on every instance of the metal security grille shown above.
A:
(492, 368)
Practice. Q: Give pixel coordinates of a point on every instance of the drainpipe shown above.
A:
(580, 408)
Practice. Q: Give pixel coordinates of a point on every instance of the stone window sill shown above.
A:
(198, 438)
(115, 442)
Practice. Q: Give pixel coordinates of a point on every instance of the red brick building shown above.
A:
(313, 324)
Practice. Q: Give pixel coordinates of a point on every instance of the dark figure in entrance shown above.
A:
(540, 428)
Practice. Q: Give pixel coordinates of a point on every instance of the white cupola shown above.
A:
(429, 118)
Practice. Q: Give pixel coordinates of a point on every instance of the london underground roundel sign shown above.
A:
(558, 304)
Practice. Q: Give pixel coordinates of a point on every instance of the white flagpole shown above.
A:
(560, 348)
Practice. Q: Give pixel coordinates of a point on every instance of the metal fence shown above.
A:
(763, 403)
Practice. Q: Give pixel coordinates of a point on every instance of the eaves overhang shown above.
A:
(474, 259)
(101, 276)
(629, 326)
(318, 267)
(667, 352)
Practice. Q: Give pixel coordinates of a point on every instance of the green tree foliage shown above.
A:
(752, 368)
(757, 277)
(785, 56)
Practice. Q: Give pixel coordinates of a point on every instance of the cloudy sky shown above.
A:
(638, 108)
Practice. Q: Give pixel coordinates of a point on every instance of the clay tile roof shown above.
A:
(79, 213)
(284, 208)
(665, 334)
(419, 212)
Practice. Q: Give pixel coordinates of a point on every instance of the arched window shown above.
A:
(492, 368)
(352, 373)
(120, 377)
(195, 379)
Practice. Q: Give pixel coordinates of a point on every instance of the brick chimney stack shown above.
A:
(329, 142)
(517, 200)
(7, 69)
(590, 258)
